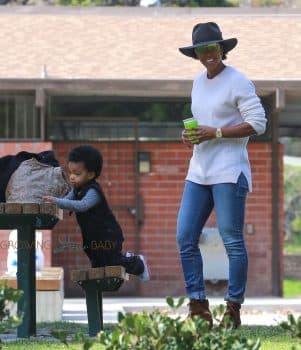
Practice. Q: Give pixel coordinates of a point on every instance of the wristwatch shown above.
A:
(218, 133)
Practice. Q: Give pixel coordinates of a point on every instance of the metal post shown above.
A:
(100, 308)
(43, 124)
(26, 278)
(137, 186)
(40, 100)
(276, 268)
(94, 307)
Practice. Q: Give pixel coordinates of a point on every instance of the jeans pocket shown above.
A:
(242, 186)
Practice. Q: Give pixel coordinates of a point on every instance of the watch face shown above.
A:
(218, 132)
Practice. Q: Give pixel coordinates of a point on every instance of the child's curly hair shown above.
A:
(89, 155)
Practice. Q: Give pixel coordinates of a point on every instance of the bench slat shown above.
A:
(96, 273)
(30, 208)
(13, 208)
(78, 275)
(51, 209)
(115, 271)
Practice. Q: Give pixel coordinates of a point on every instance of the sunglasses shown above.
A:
(208, 48)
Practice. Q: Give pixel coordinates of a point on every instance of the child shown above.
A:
(102, 235)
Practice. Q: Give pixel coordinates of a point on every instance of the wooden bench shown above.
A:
(94, 282)
(26, 218)
(49, 293)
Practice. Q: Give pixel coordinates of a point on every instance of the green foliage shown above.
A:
(171, 302)
(292, 207)
(8, 295)
(60, 335)
(198, 3)
(99, 2)
(267, 2)
(291, 288)
(177, 3)
(79, 337)
(162, 331)
(293, 326)
(296, 224)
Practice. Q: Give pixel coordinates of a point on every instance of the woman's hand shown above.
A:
(186, 137)
(48, 199)
(204, 133)
(198, 135)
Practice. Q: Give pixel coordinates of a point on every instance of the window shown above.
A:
(107, 118)
(101, 118)
(18, 117)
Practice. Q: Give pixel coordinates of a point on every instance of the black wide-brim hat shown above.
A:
(204, 34)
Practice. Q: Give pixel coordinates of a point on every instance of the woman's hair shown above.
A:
(89, 155)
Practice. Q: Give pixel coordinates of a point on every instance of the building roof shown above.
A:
(142, 43)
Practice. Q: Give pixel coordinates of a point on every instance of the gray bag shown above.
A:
(32, 180)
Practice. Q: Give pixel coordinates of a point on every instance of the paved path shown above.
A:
(255, 311)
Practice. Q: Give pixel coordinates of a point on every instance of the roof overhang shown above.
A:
(139, 88)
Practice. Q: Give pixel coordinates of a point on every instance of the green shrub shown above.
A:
(8, 295)
(161, 331)
(175, 3)
(293, 326)
(166, 331)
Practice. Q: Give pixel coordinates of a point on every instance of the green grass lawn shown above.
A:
(292, 248)
(291, 288)
(272, 338)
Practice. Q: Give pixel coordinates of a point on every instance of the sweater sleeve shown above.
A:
(91, 198)
(249, 105)
(69, 195)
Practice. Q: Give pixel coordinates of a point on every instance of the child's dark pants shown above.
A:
(105, 253)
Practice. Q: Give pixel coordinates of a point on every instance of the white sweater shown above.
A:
(226, 100)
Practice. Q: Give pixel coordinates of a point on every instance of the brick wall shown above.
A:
(13, 148)
(161, 192)
(259, 213)
(292, 263)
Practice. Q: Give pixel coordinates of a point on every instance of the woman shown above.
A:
(228, 111)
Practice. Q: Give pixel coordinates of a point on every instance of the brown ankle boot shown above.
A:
(200, 308)
(231, 316)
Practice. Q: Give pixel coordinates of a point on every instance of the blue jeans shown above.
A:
(228, 199)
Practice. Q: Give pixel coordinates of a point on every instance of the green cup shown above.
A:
(190, 123)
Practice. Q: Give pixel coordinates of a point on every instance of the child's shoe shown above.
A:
(128, 254)
(145, 275)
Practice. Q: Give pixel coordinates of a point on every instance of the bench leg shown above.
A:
(100, 308)
(94, 308)
(26, 278)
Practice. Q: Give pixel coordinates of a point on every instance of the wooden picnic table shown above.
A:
(26, 218)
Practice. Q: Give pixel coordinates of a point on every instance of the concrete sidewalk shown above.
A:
(255, 311)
